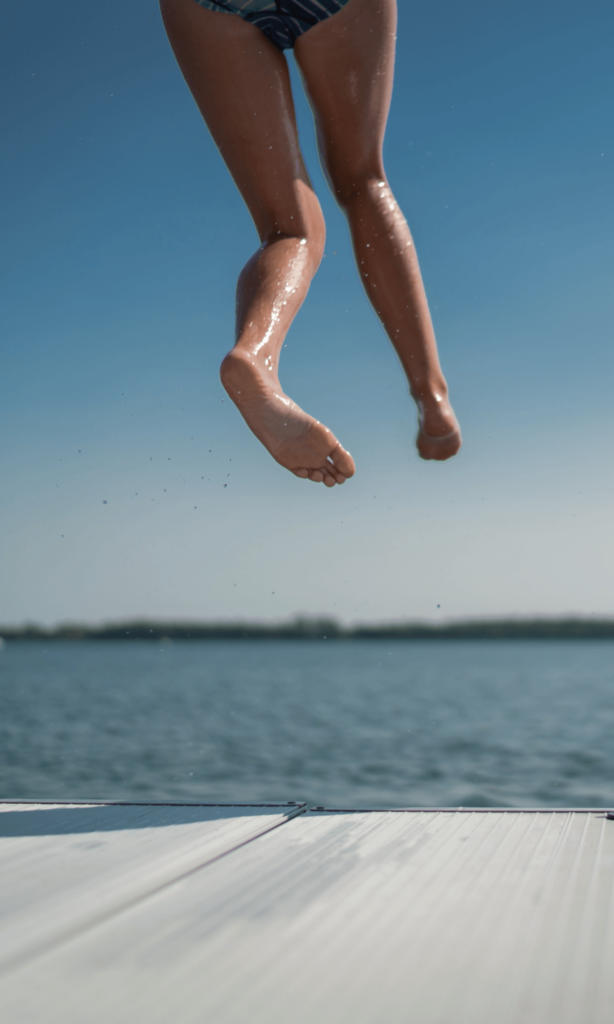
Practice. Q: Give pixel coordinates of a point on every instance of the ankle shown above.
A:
(235, 370)
(245, 375)
(431, 394)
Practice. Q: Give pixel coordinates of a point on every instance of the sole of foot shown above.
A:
(438, 449)
(439, 437)
(297, 441)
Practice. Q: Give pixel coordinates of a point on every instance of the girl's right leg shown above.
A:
(347, 64)
(241, 85)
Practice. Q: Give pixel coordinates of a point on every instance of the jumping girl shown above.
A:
(231, 55)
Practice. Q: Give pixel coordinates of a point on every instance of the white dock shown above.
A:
(193, 913)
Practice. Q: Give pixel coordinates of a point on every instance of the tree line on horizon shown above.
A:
(323, 629)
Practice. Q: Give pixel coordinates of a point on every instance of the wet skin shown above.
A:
(241, 84)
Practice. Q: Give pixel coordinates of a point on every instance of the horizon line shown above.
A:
(320, 627)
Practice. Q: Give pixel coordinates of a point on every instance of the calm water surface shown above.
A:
(343, 724)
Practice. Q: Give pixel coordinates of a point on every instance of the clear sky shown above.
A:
(130, 487)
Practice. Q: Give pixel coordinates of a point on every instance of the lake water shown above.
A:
(340, 724)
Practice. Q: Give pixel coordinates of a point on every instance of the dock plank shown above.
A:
(62, 866)
(434, 917)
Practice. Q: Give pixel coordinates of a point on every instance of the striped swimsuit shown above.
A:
(283, 21)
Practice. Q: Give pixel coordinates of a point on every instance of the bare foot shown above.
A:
(294, 439)
(439, 435)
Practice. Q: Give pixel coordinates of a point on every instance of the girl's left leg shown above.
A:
(241, 85)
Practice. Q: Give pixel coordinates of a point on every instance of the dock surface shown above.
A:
(119, 913)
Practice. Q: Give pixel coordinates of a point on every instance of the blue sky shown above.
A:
(123, 237)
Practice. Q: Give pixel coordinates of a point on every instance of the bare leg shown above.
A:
(241, 84)
(347, 66)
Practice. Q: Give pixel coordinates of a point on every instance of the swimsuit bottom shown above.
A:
(283, 21)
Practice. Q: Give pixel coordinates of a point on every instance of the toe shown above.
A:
(322, 476)
(335, 473)
(342, 461)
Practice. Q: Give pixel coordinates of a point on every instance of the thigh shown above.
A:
(241, 85)
(347, 64)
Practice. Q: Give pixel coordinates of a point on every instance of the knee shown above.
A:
(315, 239)
(307, 228)
(313, 228)
(307, 242)
(350, 186)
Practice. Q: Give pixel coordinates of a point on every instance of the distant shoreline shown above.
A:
(568, 628)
